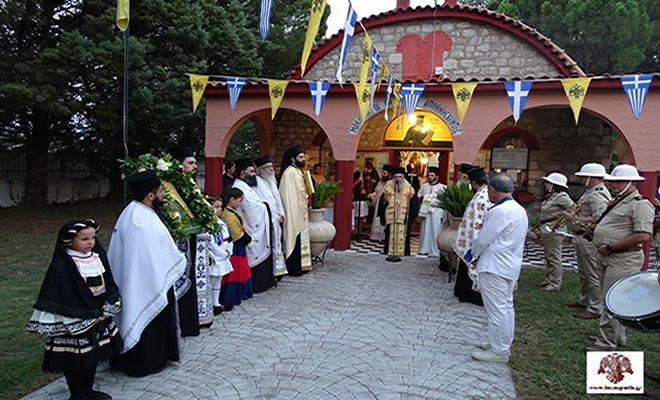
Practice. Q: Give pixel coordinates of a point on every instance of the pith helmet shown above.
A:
(557, 179)
(592, 170)
(624, 172)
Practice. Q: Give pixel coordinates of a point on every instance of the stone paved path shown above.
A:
(356, 328)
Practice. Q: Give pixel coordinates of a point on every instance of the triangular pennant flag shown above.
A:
(349, 30)
(197, 85)
(463, 95)
(390, 88)
(234, 86)
(636, 88)
(396, 92)
(264, 18)
(517, 92)
(365, 61)
(318, 6)
(276, 89)
(576, 90)
(123, 13)
(362, 95)
(319, 90)
(411, 93)
(384, 73)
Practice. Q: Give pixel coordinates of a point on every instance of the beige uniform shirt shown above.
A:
(594, 201)
(632, 214)
(554, 206)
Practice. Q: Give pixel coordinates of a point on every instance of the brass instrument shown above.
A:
(560, 222)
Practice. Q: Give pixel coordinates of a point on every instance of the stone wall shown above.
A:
(478, 51)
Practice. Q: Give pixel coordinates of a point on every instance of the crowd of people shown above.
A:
(131, 306)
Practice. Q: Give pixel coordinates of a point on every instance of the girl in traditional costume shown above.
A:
(221, 251)
(75, 309)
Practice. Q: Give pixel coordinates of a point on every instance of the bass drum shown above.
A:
(635, 301)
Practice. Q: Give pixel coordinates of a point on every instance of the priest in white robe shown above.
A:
(257, 223)
(267, 189)
(295, 195)
(145, 263)
(431, 214)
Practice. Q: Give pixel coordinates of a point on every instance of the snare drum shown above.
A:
(635, 301)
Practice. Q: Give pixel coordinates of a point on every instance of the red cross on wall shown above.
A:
(421, 56)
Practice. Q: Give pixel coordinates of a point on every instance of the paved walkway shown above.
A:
(356, 328)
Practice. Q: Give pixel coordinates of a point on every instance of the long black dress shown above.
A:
(188, 314)
(463, 287)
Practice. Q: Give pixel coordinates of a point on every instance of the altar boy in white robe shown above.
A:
(257, 223)
(145, 263)
(267, 189)
(431, 215)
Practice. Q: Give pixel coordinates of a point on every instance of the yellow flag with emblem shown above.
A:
(276, 89)
(365, 60)
(384, 73)
(363, 95)
(396, 91)
(576, 91)
(318, 6)
(197, 85)
(463, 95)
(122, 14)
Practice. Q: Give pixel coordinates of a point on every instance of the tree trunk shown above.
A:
(36, 176)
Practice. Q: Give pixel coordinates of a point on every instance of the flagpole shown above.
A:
(125, 114)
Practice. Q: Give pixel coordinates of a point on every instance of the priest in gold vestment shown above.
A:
(295, 194)
(394, 211)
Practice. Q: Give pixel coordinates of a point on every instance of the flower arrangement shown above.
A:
(455, 199)
(186, 211)
(324, 192)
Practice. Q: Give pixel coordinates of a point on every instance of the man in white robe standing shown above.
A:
(432, 216)
(267, 189)
(257, 222)
(145, 263)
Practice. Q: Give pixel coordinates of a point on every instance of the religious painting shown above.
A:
(421, 130)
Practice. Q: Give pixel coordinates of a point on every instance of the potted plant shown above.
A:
(454, 200)
(321, 232)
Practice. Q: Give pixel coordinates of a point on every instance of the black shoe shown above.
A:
(227, 307)
(393, 259)
(218, 310)
(96, 395)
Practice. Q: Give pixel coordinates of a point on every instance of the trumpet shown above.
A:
(560, 222)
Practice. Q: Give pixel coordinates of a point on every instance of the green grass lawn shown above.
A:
(548, 359)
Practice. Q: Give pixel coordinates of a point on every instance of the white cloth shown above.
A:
(256, 223)
(271, 196)
(433, 223)
(497, 293)
(88, 264)
(499, 247)
(294, 199)
(145, 263)
(221, 250)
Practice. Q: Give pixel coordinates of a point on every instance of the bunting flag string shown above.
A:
(234, 86)
(318, 6)
(463, 96)
(390, 87)
(349, 30)
(411, 93)
(264, 18)
(197, 85)
(517, 92)
(276, 89)
(319, 91)
(636, 88)
(576, 90)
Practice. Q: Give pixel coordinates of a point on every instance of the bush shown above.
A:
(455, 198)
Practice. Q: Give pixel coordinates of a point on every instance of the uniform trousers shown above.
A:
(591, 275)
(552, 251)
(497, 294)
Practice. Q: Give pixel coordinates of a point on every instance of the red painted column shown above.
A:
(648, 189)
(343, 205)
(213, 178)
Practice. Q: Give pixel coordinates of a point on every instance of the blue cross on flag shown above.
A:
(390, 88)
(349, 29)
(517, 92)
(636, 88)
(319, 90)
(375, 72)
(264, 21)
(410, 94)
(234, 85)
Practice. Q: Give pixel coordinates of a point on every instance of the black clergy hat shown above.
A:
(242, 163)
(466, 167)
(142, 183)
(181, 152)
(435, 170)
(398, 170)
(262, 160)
(388, 168)
(476, 173)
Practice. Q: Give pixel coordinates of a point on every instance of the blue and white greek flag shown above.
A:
(264, 21)
(410, 94)
(390, 88)
(636, 88)
(349, 30)
(319, 90)
(375, 72)
(234, 85)
(517, 92)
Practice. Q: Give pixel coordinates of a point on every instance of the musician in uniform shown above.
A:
(624, 226)
(591, 205)
(555, 203)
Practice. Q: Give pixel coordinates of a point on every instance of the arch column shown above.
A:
(343, 204)
(264, 126)
(213, 175)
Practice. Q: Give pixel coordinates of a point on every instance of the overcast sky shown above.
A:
(364, 8)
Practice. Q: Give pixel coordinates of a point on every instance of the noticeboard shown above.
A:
(509, 158)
